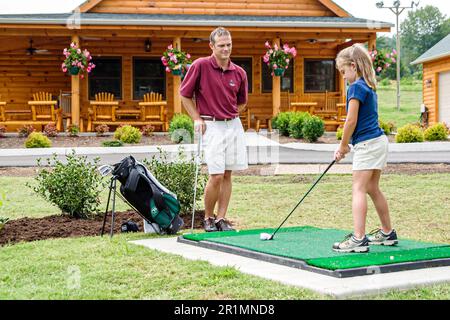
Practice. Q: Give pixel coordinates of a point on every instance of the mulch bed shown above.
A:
(63, 226)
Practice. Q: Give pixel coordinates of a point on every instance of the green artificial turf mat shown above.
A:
(313, 245)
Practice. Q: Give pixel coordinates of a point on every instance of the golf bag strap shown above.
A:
(132, 183)
(157, 194)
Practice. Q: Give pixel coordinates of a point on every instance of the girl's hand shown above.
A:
(340, 153)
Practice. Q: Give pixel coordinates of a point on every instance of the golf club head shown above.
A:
(105, 170)
(265, 236)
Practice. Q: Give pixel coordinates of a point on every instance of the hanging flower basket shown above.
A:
(382, 59)
(176, 72)
(76, 62)
(278, 72)
(176, 61)
(74, 71)
(277, 59)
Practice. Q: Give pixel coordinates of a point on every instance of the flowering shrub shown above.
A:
(101, 129)
(77, 61)
(176, 60)
(2, 131)
(147, 130)
(50, 130)
(278, 58)
(382, 59)
(25, 130)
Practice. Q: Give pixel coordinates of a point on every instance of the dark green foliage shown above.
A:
(313, 128)
(178, 177)
(181, 129)
(73, 186)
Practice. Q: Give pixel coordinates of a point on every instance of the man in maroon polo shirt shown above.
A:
(221, 91)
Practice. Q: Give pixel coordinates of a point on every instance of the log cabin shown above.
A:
(436, 82)
(127, 39)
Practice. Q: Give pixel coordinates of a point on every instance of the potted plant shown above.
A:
(176, 61)
(76, 61)
(278, 58)
(382, 59)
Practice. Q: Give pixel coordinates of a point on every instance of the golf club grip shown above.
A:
(306, 194)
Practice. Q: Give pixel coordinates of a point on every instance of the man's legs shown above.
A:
(224, 195)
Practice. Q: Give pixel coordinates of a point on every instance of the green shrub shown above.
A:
(436, 132)
(112, 143)
(409, 133)
(385, 82)
(387, 127)
(73, 186)
(73, 130)
(313, 128)
(281, 122)
(339, 133)
(181, 129)
(128, 134)
(178, 177)
(296, 124)
(37, 140)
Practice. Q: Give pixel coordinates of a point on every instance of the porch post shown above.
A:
(75, 106)
(176, 82)
(372, 43)
(276, 87)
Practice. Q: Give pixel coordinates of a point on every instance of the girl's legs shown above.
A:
(379, 201)
(361, 182)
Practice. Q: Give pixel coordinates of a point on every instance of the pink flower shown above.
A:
(64, 69)
(88, 69)
(266, 58)
(275, 66)
(393, 60)
(267, 45)
(188, 56)
(275, 47)
(293, 51)
(167, 69)
(164, 62)
(170, 47)
(286, 67)
(287, 60)
(379, 69)
(394, 52)
(82, 76)
(73, 45)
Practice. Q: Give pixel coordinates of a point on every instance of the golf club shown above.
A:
(267, 236)
(197, 163)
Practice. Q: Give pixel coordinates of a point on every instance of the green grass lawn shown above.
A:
(100, 268)
(410, 101)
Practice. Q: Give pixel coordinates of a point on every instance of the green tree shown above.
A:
(421, 30)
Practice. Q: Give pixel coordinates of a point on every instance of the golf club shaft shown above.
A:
(197, 161)
(312, 187)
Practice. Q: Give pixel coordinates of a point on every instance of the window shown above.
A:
(106, 77)
(148, 76)
(287, 80)
(246, 64)
(320, 75)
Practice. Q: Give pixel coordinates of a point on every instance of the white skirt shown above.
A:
(371, 154)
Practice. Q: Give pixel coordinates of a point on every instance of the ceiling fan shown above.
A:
(31, 50)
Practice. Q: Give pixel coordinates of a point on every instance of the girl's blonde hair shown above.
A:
(358, 55)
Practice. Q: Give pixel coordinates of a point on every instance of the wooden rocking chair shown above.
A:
(43, 109)
(154, 110)
(103, 109)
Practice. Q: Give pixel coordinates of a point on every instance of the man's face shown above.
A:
(222, 47)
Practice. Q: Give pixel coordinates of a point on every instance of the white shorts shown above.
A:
(224, 146)
(371, 154)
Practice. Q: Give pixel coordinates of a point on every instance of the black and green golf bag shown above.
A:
(154, 202)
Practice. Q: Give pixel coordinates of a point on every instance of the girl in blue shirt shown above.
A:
(370, 147)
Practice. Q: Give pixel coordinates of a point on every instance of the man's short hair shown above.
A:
(218, 32)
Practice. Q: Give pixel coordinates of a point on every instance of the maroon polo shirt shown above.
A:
(217, 92)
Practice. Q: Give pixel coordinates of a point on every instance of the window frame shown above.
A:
(252, 82)
(133, 78)
(335, 79)
(120, 58)
(291, 66)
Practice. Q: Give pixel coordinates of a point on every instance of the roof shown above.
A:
(439, 50)
(193, 20)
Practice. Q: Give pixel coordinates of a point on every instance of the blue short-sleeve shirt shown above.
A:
(367, 126)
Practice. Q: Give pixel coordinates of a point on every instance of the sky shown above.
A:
(358, 8)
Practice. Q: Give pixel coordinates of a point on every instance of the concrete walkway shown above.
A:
(260, 150)
(374, 283)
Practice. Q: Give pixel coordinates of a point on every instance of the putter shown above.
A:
(267, 236)
(197, 163)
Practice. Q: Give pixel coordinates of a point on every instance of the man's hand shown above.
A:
(340, 153)
(200, 126)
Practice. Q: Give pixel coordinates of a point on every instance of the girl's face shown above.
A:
(349, 72)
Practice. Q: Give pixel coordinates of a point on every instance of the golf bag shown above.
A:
(154, 202)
